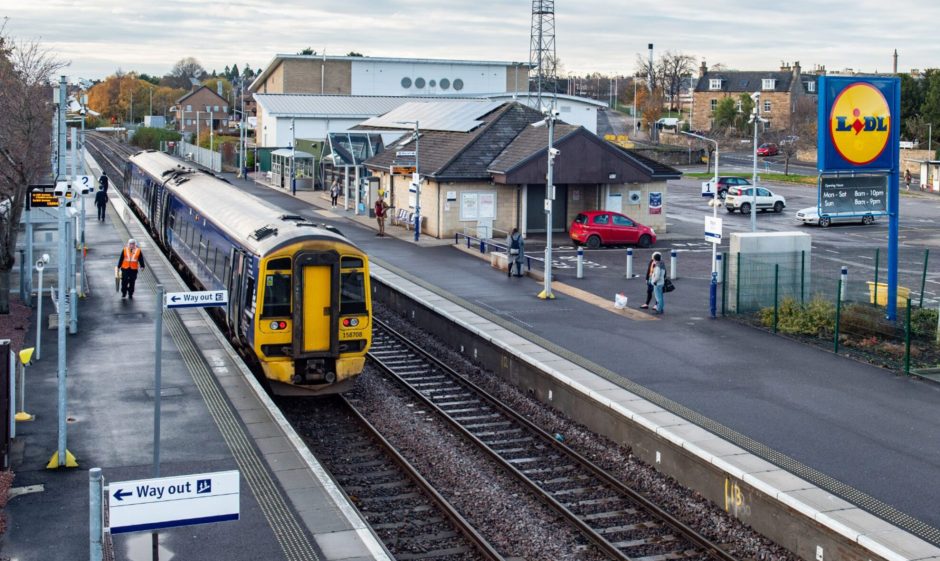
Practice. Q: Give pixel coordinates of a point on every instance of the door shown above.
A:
(624, 229)
(535, 208)
(600, 225)
(316, 290)
(764, 200)
(614, 202)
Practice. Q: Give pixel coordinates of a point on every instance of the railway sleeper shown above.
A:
(609, 514)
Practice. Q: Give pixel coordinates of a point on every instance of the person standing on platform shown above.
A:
(658, 279)
(649, 285)
(907, 179)
(130, 262)
(381, 207)
(103, 182)
(334, 194)
(101, 201)
(516, 245)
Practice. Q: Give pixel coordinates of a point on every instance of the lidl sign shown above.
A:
(858, 123)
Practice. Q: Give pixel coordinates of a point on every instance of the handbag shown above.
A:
(667, 285)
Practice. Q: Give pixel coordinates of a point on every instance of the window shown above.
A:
(352, 298)
(622, 221)
(737, 104)
(811, 87)
(714, 84)
(761, 192)
(602, 219)
(419, 83)
(714, 104)
(215, 108)
(249, 293)
(277, 291)
(768, 84)
(766, 107)
(189, 122)
(189, 107)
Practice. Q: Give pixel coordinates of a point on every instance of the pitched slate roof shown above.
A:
(656, 169)
(744, 82)
(530, 142)
(199, 89)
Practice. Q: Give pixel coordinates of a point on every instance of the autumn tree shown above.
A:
(114, 95)
(673, 68)
(26, 69)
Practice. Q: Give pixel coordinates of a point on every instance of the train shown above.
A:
(299, 298)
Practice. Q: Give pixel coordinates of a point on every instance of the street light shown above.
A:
(549, 120)
(416, 179)
(756, 119)
(713, 288)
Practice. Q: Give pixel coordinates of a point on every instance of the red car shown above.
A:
(767, 149)
(601, 227)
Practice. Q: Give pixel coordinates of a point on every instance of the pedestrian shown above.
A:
(649, 284)
(334, 194)
(516, 252)
(103, 182)
(907, 179)
(658, 278)
(101, 201)
(129, 262)
(381, 207)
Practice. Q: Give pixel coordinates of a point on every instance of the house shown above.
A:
(201, 109)
(483, 169)
(780, 92)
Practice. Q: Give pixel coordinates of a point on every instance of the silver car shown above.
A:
(810, 215)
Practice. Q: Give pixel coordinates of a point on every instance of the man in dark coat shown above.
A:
(101, 201)
(103, 182)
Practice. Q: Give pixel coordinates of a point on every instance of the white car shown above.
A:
(741, 199)
(810, 215)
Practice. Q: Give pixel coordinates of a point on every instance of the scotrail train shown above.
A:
(299, 296)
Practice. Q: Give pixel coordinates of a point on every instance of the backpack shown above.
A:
(514, 246)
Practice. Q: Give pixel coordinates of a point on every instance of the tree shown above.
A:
(307, 51)
(673, 68)
(233, 75)
(183, 72)
(930, 108)
(652, 109)
(725, 115)
(353, 53)
(26, 69)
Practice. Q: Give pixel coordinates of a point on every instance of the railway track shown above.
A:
(406, 512)
(620, 522)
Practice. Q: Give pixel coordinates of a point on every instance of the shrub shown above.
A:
(817, 318)
(149, 138)
(923, 322)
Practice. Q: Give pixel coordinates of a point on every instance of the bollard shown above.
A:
(672, 265)
(718, 269)
(95, 514)
(482, 245)
(580, 262)
(629, 262)
(26, 356)
(844, 277)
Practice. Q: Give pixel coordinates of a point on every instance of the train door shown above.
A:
(234, 284)
(316, 304)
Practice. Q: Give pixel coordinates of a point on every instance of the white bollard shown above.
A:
(718, 267)
(845, 280)
(629, 262)
(672, 265)
(580, 262)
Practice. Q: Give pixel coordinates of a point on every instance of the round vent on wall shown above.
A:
(406, 82)
(458, 84)
(444, 83)
(419, 83)
(432, 83)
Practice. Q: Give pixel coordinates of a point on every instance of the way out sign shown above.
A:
(167, 502)
(202, 299)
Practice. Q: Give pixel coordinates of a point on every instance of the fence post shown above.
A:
(838, 318)
(907, 339)
(672, 265)
(580, 262)
(95, 515)
(456, 238)
(877, 258)
(923, 279)
(737, 287)
(724, 287)
(843, 280)
(776, 300)
(802, 276)
(629, 262)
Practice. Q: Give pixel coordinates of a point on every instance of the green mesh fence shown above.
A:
(802, 294)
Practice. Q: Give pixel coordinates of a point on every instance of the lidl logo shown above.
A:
(860, 123)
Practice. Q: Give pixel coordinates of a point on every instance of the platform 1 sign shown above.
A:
(204, 299)
(151, 504)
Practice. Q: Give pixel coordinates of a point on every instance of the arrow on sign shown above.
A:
(175, 298)
(121, 493)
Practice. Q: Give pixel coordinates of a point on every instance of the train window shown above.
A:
(277, 289)
(249, 294)
(352, 298)
(281, 264)
(226, 270)
(352, 263)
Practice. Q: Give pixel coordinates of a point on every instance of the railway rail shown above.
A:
(620, 522)
(406, 512)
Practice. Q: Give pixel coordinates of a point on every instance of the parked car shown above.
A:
(602, 227)
(768, 149)
(741, 198)
(811, 215)
(724, 183)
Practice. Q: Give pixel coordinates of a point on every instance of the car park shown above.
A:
(595, 228)
(724, 183)
(768, 149)
(741, 199)
(810, 215)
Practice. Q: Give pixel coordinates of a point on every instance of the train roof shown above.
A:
(258, 225)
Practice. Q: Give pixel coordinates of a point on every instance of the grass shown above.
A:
(775, 177)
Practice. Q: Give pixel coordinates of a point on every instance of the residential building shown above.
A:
(201, 109)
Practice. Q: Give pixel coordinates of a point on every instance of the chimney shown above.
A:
(796, 70)
(702, 70)
(784, 66)
(895, 61)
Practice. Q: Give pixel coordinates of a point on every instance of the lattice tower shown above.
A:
(542, 59)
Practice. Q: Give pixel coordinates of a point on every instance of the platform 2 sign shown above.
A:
(204, 299)
(864, 194)
(151, 504)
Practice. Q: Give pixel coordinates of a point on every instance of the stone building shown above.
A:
(483, 168)
(780, 91)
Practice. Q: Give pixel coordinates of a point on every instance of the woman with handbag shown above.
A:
(516, 251)
(658, 279)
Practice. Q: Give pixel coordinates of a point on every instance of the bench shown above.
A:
(401, 218)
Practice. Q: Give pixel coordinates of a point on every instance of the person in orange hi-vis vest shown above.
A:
(130, 261)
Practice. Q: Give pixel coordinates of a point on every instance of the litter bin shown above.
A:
(903, 294)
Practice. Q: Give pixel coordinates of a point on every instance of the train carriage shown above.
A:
(299, 295)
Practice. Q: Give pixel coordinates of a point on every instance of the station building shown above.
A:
(483, 167)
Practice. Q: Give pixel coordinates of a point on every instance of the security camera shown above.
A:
(60, 189)
(755, 96)
(553, 152)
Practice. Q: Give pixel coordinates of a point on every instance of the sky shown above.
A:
(148, 36)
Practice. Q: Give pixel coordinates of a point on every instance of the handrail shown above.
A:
(484, 245)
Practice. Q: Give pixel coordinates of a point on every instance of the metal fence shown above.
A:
(202, 156)
(840, 306)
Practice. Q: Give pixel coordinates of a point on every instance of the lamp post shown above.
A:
(293, 157)
(755, 117)
(416, 179)
(713, 287)
(635, 78)
(549, 120)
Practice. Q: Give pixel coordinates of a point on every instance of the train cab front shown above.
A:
(315, 323)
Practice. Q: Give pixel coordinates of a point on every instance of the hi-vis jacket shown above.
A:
(131, 260)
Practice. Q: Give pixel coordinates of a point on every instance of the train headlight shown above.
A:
(278, 325)
(274, 325)
(350, 322)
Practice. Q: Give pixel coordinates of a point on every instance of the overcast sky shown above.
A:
(100, 36)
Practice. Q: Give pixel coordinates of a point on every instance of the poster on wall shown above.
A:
(468, 206)
(487, 205)
(656, 202)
